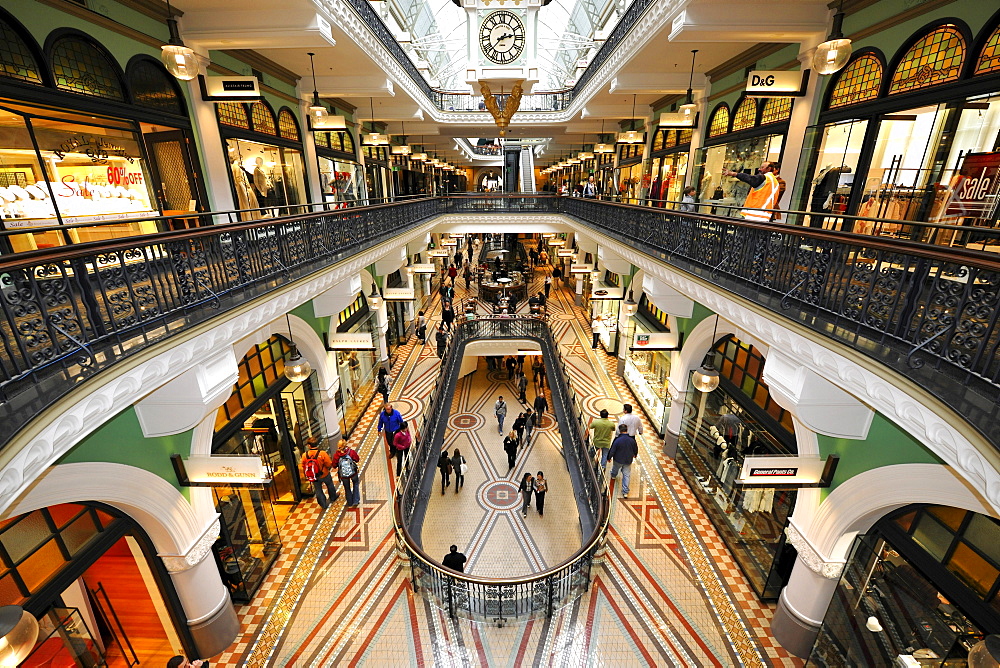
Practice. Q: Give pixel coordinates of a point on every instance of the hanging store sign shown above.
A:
(777, 83)
(655, 341)
(398, 294)
(228, 89)
(581, 268)
(208, 470)
(349, 341)
(975, 189)
(439, 252)
(677, 120)
(787, 472)
(606, 292)
(424, 269)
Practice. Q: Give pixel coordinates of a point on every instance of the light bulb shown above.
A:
(297, 368)
(180, 61)
(705, 379)
(318, 111)
(831, 56)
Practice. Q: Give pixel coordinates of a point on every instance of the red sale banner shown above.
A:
(975, 189)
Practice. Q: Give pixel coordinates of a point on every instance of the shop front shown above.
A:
(377, 172)
(742, 141)
(916, 140)
(357, 361)
(265, 158)
(668, 166)
(631, 188)
(647, 361)
(605, 301)
(921, 588)
(269, 417)
(84, 141)
(719, 429)
(91, 577)
(341, 177)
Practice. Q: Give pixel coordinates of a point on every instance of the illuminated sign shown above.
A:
(777, 83)
(398, 294)
(202, 470)
(787, 472)
(229, 88)
(349, 341)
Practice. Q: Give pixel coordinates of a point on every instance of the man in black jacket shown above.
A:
(454, 560)
(623, 452)
(541, 405)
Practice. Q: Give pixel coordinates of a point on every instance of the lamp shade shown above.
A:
(318, 111)
(831, 56)
(297, 368)
(18, 632)
(180, 61)
(706, 378)
(604, 148)
(873, 625)
(629, 306)
(374, 299)
(630, 137)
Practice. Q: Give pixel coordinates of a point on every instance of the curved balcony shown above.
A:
(500, 600)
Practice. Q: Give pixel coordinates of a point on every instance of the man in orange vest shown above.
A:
(765, 191)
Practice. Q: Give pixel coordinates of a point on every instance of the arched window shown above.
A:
(776, 109)
(743, 365)
(17, 61)
(935, 58)
(262, 118)
(719, 124)
(745, 115)
(322, 139)
(234, 114)
(287, 127)
(152, 86)
(81, 66)
(989, 57)
(348, 140)
(684, 136)
(860, 81)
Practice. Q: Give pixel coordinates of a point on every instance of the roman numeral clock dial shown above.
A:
(501, 37)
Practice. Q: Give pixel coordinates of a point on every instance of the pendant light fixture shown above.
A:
(419, 157)
(316, 109)
(602, 147)
(688, 108)
(630, 306)
(404, 148)
(297, 368)
(375, 298)
(584, 154)
(706, 378)
(18, 632)
(833, 54)
(179, 60)
(631, 137)
(374, 138)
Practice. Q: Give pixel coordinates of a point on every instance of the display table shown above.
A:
(515, 286)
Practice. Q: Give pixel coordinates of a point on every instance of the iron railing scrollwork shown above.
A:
(496, 600)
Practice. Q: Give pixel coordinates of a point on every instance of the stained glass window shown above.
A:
(262, 118)
(989, 57)
(776, 109)
(719, 125)
(234, 114)
(80, 66)
(935, 59)
(151, 86)
(660, 141)
(745, 115)
(860, 81)
(322, 139)
(16, 59)
(348, 140)
(287, 127)
(684, 136)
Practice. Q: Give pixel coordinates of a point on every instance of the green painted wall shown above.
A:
(120, 441)
(319, 325)
(699, 313)
(886, 444)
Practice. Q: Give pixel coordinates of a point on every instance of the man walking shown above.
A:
(631, 420)
(530, 420)
(454, 560)
(522, 387)
(500, 410)
(590, 188)
(603, 429)
(346, 460)
(318, 467)
(389, 421)
(541, 405)
(441, 338)
(623, 452)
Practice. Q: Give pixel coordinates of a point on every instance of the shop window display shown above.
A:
(248, 542)
(837, 149)
(648, 371)
(722, 195)
(266, 176)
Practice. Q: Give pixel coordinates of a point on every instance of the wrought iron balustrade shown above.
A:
(501, 599)
(69, 312)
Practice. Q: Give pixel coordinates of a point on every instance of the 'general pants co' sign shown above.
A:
(777, 83)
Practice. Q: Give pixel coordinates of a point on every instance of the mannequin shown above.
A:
(245, 197)
(826, 187)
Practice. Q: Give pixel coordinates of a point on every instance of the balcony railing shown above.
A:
(499, 600)
(542, 101)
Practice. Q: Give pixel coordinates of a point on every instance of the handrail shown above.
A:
(413, 489)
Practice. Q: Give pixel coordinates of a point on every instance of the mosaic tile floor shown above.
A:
(667, 594)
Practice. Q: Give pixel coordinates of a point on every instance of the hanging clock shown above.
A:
(501, 37)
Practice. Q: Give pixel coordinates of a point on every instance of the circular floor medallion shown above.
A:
(408, 408)
(499, 495)
(466, 421)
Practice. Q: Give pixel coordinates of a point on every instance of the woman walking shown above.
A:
(444, 465)
(384, 383)
(401, 444)
(447, 315)
(518, 426)
(510, 447)
(541, 486)
(526, 488)
(459, 467)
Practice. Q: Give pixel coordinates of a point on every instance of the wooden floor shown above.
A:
(118, 573)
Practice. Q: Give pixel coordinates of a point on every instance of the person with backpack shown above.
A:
(346, 460)
(444, 465)
(401, 445)
(500, 410)
(317, 467)
(383, 383)
(459, 466)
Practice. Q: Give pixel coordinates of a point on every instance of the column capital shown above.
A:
(177, 563)
(810, 556)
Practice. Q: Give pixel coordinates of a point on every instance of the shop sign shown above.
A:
(788, 472)
(777, 83)
(424, 269)
(581, 268)
(216, 470)
(223, 89)
(606, 292)
(677, 120)
(350, 341)
(654, 341)
(398, 294)
(438, 252)
(975, 189)
(98, 149)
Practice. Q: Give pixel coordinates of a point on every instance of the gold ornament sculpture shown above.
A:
(501, 116)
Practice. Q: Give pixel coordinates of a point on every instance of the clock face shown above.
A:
(501, 37)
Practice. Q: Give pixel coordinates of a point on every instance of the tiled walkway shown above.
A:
(668, 592)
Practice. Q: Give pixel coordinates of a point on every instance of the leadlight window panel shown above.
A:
(745, 116)
(79, 66)
(287, 127)
(776, 109)
(16, 59)
(348, 140)
(860, 81)
(234, 114)
(260, 367)
(322, 139)
(935, 59)
(743, 366)
(989, 57)
(151, 87)
(351, 310)
(262, 119)
(719, 125)
(671, 139)
(684, 136)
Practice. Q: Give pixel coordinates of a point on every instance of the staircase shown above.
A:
(527, 169)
